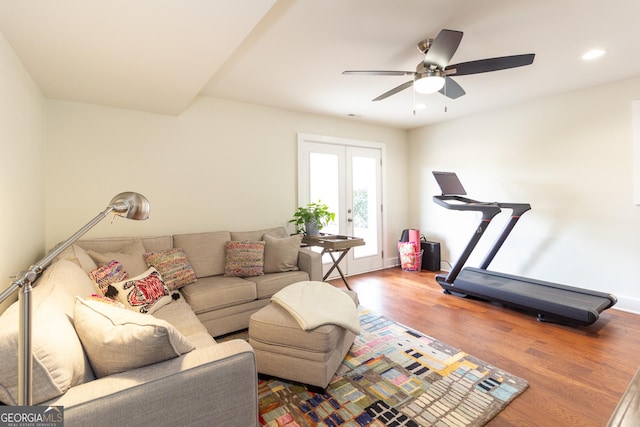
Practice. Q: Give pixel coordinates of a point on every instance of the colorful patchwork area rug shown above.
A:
(395, 376)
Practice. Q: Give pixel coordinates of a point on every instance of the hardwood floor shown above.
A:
(576, 374)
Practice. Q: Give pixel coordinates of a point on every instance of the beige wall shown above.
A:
(221, 165)
(22, 138)
(571, 157)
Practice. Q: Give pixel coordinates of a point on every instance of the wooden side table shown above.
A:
(333, 243)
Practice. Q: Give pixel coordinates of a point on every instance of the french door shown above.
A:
(346, 175)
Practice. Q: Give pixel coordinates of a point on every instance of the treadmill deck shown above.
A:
(557, 302)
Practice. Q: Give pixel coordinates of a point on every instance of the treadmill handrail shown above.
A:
(489, 210)
(517, 210)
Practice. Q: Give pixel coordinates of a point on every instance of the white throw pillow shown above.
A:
(58, 359)
(117, 340)
(144, 293)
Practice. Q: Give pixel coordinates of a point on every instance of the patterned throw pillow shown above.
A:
(244, 259)
(173, 265)
(110, 273)
(144, 293)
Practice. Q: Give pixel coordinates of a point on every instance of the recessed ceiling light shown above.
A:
(419, 106)
(593, 54)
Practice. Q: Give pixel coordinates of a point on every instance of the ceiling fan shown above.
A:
(433, 74)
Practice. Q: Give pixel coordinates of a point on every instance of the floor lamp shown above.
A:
(129, 205)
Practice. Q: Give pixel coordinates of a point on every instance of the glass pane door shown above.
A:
(363, 189)
(348, 180)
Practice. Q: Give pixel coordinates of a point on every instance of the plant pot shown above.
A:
(311, 227)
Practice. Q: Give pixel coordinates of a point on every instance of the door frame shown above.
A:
(303, 188)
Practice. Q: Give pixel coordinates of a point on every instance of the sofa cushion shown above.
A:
(281, 253)
(110, 273)
(204, 250)
(59, 361)
(181, 316)
(130, 256)
(244, 259)
(271, 283)
(258, 234)
(114, 244)
(118, 340)
(144, 293)
(211, 293)
(173, 265)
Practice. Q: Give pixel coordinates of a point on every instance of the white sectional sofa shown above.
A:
(108, 365)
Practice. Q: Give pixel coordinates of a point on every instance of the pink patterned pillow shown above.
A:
(110, 273)
(173, 265)
(244, 259)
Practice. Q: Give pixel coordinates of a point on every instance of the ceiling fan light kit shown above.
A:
(434, 70)
(429, 82)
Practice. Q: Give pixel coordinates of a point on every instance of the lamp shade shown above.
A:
(430, 82)
(131, 205)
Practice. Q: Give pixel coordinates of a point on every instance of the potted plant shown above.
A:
(311, 218)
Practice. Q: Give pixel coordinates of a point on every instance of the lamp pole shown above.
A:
(129, 205)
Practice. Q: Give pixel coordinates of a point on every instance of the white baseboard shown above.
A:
(629, 304)
(391, 262)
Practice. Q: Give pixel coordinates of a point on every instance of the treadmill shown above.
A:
(551, 302)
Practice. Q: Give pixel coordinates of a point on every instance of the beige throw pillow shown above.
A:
(281, 254)
(58, 359)
(130, 256)
(117, 340)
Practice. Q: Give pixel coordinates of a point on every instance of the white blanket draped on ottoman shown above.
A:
(313, 304)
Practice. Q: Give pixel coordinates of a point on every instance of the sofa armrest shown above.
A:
(311, 262)
(213, 385)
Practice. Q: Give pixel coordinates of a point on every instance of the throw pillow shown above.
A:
(244, 259)
(130, 256)
(173, 265)
(59, 361)
(144, 293)
(110, 273)
(106, 300)
(281, 254)
(118, 340)
(79, 256)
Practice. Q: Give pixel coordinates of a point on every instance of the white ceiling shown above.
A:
(159, 55)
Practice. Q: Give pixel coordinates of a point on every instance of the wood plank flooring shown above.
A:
(576, 374)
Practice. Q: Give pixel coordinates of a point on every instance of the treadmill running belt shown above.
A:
(546, 298)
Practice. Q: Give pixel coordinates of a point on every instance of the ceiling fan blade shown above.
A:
(378, 73)
(490, 64)
(442, 49)
(451, 89)
(395, 90)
